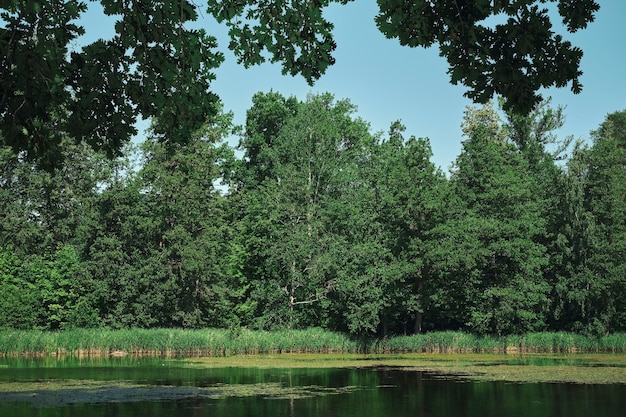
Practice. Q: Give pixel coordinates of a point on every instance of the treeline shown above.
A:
(322, 223)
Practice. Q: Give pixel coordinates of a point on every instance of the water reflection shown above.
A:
(152, 387)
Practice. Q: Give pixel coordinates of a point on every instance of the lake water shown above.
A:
(156, 387)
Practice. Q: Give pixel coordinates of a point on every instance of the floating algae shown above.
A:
(62, 393)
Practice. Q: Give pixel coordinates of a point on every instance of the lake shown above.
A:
(298, 386)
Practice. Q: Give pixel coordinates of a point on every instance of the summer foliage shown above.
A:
(155, 66)
(324, 224)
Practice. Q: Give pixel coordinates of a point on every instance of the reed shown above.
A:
(554, 342)
(613, 343)
(238, 341)
(216, 342)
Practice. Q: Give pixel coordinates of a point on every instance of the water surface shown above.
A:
(158, 387)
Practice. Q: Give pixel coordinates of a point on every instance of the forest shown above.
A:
(313, 220)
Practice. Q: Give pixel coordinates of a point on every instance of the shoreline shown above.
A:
(594, 368)
(229, 342)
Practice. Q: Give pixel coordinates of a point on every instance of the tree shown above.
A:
(161, 246)
(62, 292)
(157, 67)
(118, 239)
(302, 152)
(593, 290)
(187, 267)
(20, 205)
(513, 59)
(18, 297)
(607, 202)
(264, 121)
(366, 296)
(489, 248)
(46, 292)
(553, 192)
(406, 195)
(572, 297)
(154, 66)
(41, 210)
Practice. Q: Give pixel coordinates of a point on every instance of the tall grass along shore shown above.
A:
(221, 342)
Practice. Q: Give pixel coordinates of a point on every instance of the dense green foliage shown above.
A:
(514, 58)
(156, 66)
(321, 223)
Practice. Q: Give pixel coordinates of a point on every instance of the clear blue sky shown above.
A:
(388, 82)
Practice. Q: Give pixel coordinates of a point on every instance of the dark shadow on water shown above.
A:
(157, 389)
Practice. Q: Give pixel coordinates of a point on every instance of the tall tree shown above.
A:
(186, 271)
(408, 193)
(607, 202)
(46, 218)
(597, 223)
(264, 121)
(292, 252)
(535, 138)
(161, 247)
(495, 232)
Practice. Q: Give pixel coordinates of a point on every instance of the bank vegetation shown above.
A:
(228, 342)
(321, 223)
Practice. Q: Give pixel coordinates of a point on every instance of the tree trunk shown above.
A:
(418, 322)
(418, 313)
